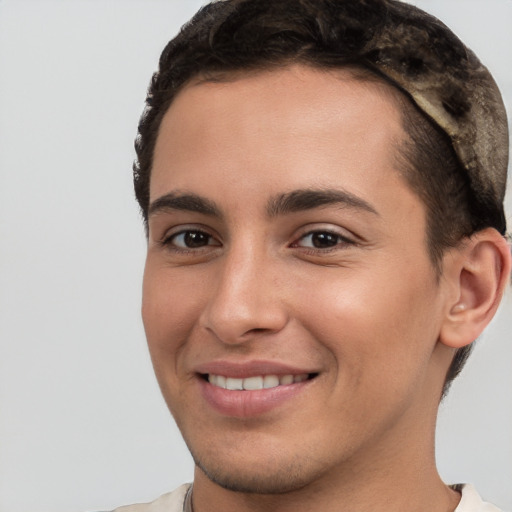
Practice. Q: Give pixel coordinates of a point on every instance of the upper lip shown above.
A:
(242, 370)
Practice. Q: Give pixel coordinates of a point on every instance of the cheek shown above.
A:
(170, 308)
(387, 316)
(381, 339)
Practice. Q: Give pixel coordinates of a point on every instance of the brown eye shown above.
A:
(322, 240)
(191, 239)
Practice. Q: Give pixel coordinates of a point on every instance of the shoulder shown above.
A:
(472, 502)
(170, 502)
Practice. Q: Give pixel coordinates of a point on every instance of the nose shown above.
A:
(246, 298)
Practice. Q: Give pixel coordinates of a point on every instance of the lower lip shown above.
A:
(246, 404)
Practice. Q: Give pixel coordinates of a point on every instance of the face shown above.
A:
(291, 310)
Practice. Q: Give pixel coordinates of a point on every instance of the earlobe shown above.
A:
(479, 272)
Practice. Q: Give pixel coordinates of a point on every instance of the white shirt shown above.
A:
(173, 502)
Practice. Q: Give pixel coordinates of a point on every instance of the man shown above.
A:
(322, 184)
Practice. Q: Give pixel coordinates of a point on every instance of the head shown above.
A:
(230, 38)
(323, 208)
(320, 208)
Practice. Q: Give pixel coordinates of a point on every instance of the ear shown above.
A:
(477, 273)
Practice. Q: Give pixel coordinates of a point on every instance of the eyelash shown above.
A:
(169, 240)
(341, 241)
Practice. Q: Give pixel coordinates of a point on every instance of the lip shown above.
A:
(242, 370)
(246, 404)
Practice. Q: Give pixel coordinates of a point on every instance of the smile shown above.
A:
(256, 382)
(244, 393)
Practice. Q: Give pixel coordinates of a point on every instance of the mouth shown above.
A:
(249, 389)
(256, 382)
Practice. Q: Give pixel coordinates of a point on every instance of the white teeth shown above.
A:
(286, 379)
(234, 384)
(252, 383)
(255, 383)
(270, 381)
(216, 380)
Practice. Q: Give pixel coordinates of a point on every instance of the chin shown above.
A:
(253, 482)
(275, 475)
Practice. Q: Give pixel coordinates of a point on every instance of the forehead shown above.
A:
(308, 88)
(286, 118)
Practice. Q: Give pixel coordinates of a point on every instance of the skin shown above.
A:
(362, 309)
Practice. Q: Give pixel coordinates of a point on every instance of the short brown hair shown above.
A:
(229, 36)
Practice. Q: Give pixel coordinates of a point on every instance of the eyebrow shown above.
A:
(290, 202)
(184, 202)
(308, 199)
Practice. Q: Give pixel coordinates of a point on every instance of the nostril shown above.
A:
(257, 331)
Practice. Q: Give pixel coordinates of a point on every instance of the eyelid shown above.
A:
(173, 240)
(345, 238)
(326, 228)
(169, 234)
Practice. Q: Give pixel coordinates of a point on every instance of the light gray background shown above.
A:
(82, 423)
